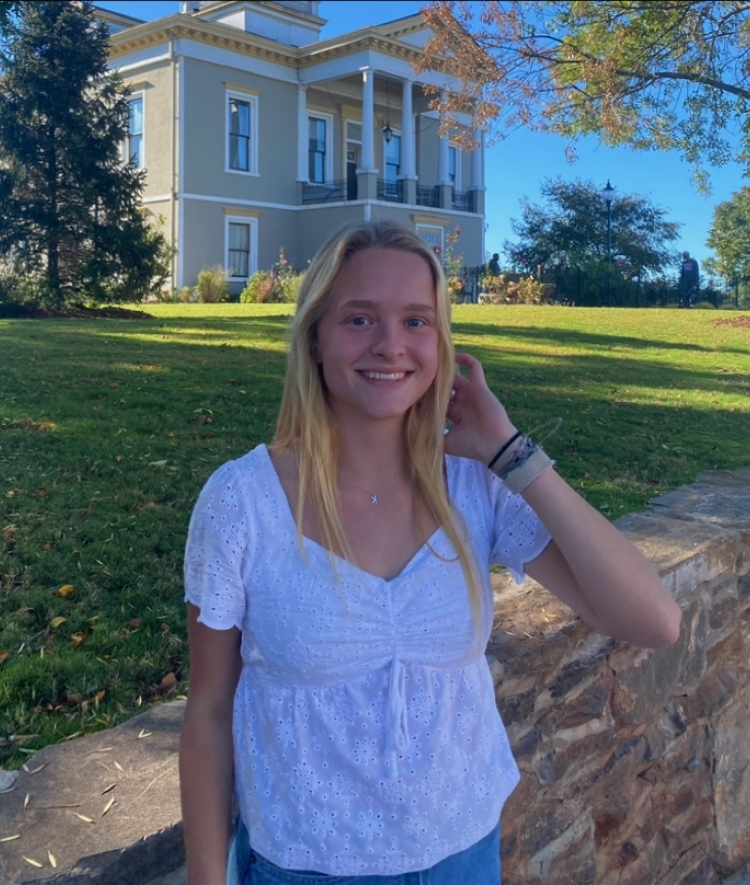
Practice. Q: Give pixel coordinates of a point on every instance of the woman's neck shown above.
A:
(370, 454)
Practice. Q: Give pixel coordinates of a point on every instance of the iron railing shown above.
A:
(428, 196)
(463, 201)
(330, 192)
(391, 191)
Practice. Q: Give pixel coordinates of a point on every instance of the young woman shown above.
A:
(339, 597)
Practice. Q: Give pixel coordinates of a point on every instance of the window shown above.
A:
(452, 165)
(393, 159)
(134, 141)
(317, 150)
(241, 239)
(433, 236)
(242, 115)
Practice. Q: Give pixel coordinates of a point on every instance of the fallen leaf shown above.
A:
(4, 655)
(34, 770)
(108, 806)
(157, 463)
(52, 859)
(119, 767)
(169, 682)
(9, 534)
(144, 734)
(77, 639)
(135, 623)
(108, 789)
(34, 863)
(26, 801)
(10, 838)
(48, 546)
(7, 781)
(83, 817)
(65, 590)
(42, 493)
(55, 622)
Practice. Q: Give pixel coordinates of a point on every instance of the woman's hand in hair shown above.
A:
(480, 423)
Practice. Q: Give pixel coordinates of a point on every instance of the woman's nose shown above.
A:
(389, 341)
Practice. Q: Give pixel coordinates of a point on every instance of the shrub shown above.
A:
(212, 285)
(704, 305)
(256, 290)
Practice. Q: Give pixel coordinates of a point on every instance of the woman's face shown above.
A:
(377, 341)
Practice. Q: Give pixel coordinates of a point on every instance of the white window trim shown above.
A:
(321, 115)
(135, 96)
(252, 264)
(252, 101)
(436, 227)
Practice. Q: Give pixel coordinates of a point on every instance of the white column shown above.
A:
(303, 135)
(477, 177)
(367, 158)
(408, 154)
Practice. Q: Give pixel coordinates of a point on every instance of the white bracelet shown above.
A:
(518, 478)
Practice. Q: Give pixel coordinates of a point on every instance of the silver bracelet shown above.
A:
(526, 472)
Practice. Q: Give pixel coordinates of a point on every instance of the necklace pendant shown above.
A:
(373, 499)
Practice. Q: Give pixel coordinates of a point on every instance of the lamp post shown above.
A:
(608, 193)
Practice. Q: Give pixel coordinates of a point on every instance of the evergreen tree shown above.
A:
(69, 206)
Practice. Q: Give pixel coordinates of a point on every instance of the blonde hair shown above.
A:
(306, 425)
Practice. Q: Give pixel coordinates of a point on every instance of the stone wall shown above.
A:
(635, 764)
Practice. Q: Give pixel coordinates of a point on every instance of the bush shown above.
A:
(526, 290)
(212, 285)
(256, 290)
(277, 286)
(704, 305)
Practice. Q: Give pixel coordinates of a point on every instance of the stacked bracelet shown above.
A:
(525, 464)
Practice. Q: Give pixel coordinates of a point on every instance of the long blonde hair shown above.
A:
(306, 425)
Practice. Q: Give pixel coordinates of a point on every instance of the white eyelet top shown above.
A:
(366, 736)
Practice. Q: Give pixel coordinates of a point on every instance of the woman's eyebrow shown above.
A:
(358, 302)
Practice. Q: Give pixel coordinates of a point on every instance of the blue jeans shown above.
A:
(477, 865)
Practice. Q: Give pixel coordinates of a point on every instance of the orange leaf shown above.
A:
(55, 622)
(169, 682)
(77, 638)
(135, 623)
(9, 534)
(65, 590)
(4, 655)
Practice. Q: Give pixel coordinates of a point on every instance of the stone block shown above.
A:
(640, 691)
(715, 691)
(518, 707)
(686, 553)
(731, 769)
(591, 703)
(579, 761)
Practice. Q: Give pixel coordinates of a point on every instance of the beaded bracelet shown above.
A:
(504, 449)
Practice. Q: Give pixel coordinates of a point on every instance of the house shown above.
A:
(257, 134)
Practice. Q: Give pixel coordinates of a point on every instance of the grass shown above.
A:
(108, 429)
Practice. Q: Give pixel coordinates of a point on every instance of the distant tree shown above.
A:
(572, 224)
(729, 237)
(651, 75)
(70, 213)
(7, 11)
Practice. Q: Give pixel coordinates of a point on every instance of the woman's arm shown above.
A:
(589, 565)
(206, 751)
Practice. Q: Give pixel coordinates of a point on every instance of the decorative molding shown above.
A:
(248, 213)
(239, 87)
(139, 85)
(431, 218)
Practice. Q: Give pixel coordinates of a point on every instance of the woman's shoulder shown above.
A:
(239, 472)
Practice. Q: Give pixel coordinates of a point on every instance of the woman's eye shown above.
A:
(358, 321)
(415, 322)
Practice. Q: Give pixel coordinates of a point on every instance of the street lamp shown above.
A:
(608, 194)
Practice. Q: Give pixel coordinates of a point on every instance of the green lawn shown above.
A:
(108, 429)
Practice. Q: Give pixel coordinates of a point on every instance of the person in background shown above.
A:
(689, 279)
(494, 266)
(339, 595)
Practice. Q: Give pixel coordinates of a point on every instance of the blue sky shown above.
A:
(516, 165)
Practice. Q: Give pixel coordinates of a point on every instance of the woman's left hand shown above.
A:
(481, 424)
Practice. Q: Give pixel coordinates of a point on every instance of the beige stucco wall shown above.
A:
(205, 133)
(155, 85)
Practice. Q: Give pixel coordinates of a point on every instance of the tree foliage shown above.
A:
(729, 237)
(69, 208)
(571, 227)
(670, 74)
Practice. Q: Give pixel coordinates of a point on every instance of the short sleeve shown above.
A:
(519, 535)
(216, 551)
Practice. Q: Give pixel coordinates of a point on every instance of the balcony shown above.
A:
(428, 196)
(331, 192)
(462, 201)
(391, 191)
